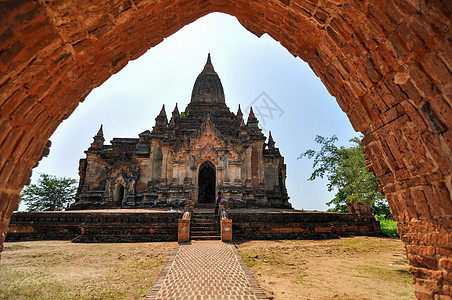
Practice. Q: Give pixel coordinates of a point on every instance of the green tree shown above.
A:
(345, 169)
(50, 193)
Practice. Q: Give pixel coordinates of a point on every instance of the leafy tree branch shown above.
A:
(345, 169)
(50, 193)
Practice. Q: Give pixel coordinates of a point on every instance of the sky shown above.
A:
(287, 98)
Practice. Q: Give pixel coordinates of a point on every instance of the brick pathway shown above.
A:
(206, 270)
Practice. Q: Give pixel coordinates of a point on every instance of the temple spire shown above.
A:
(176, 110)
(208, 87)
(252, 125)
(174, 116)
(101, 131)
(239, 113)
(271, 142)
(161, 121)
(162, 111)
(251, 116)
(98, 138)
(208, 67)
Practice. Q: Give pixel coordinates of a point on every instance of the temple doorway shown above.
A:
(118, 194)
(206, 183)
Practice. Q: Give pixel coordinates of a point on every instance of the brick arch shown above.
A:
(388, 63)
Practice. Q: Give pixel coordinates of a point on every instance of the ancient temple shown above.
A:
(200, 151)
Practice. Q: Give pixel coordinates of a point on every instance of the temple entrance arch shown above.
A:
(386, 62)
(118, 195)
(206, 183)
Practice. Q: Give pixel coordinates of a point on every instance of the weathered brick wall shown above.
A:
(35, 226)
(301, 225)
(388, 63)
(93, 226)
(148, 227)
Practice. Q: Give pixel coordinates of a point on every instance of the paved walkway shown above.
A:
(206, 270)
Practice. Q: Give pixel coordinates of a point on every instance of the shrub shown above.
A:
(388, 227)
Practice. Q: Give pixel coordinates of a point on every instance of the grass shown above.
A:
(384, 273)
(29, 285)
(42, 284)
(300, 278)
(75, 271)
(388, 227)
(363, 244)
(252, 259)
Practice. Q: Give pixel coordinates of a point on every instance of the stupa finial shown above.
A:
(101, 131)
(162, 111)
(251, 115)
(208, 67)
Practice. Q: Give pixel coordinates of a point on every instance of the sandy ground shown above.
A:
(349, 268)
(65, 270)
(346, 268)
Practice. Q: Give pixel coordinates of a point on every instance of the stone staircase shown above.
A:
(205, 226)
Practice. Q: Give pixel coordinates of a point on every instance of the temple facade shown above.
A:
(198, 152)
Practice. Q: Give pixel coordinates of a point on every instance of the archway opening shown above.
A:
(388, 70)
(247, 66)
(206, 183)
(118, 195)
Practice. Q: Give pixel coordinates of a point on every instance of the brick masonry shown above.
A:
(94, 227)
(124, 226)
(300, 225)
(206, 270)
(388, 63)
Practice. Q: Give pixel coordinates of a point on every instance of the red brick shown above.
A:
(442, 109)
(437, 14)
(435, 151)
(443, 239)
(415, 116)
(307, 6)
(446, 263)
(396, 46)
(417, 39)
(410, 40)
(421, 203)
(380, 17)
(412, 92)
(379, 63)
(436, 68)
(444, 198)
(421, 250)
(384, 50)
(430, 196)
(421, 81)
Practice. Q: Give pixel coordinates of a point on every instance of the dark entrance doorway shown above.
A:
(119, 194)
(206, 183)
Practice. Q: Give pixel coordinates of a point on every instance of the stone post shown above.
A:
(226, 230)
(183, 233)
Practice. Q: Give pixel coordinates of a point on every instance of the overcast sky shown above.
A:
(292, 101)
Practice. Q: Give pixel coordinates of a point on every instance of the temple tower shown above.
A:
(200, 151)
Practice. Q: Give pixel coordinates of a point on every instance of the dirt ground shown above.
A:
(348, 268)
(65, 270)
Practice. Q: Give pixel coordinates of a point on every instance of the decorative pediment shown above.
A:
(125, 169)
(208, 135)
(120, 178)
(208, 153)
